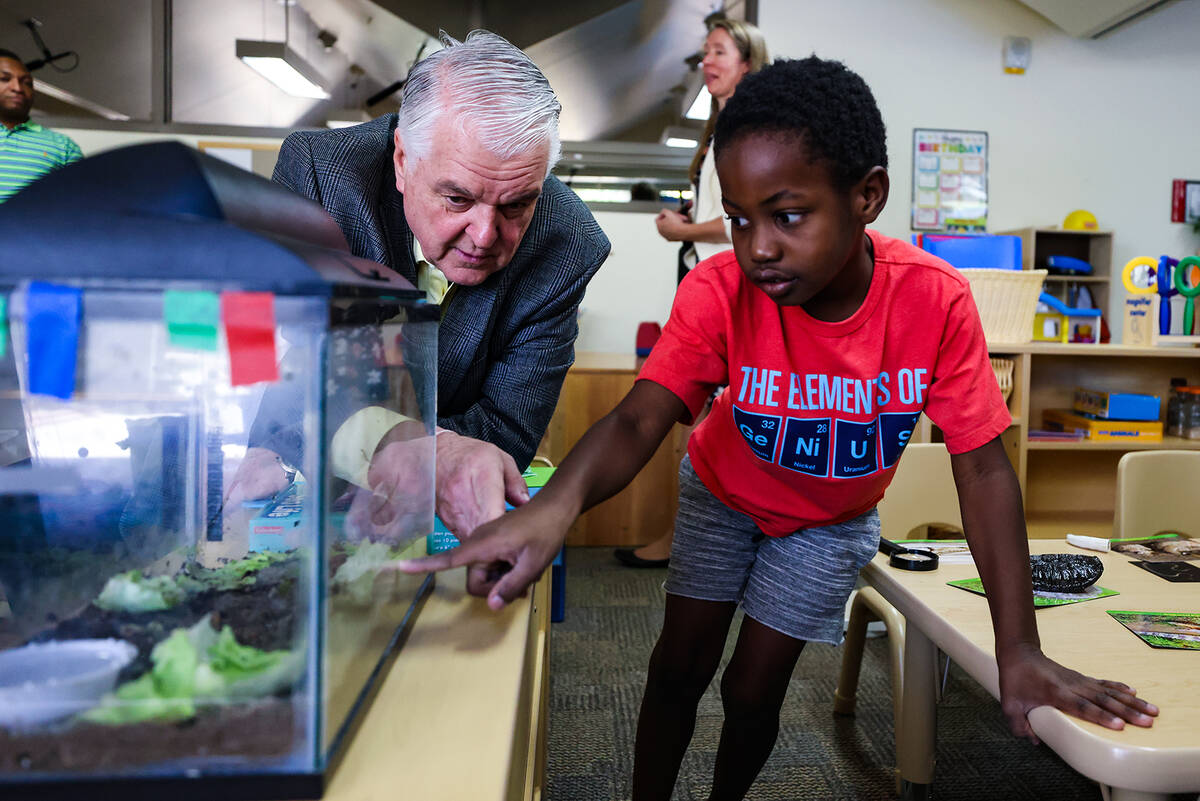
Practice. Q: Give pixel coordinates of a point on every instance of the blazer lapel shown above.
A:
(395, 239)
(463, 337)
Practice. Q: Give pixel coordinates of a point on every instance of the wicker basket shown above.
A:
(1007, 300)
(1003, 368)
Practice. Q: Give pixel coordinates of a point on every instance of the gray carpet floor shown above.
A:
(598, 671)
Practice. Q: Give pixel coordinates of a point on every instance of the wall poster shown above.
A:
(950, 181)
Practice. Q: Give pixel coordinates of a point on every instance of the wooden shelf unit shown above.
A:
(1071, 486)
(1094, 247)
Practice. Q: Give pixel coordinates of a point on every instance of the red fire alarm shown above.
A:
(1185, 201)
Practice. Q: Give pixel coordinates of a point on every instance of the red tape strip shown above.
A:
(249, 319)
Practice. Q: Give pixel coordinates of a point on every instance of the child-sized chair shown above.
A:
(1156, 492)
(921, 493)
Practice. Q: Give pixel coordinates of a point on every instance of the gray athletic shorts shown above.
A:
(797, 584)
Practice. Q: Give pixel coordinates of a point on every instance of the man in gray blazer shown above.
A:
(455, 194)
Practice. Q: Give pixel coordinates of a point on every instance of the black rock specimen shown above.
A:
(1064, 572)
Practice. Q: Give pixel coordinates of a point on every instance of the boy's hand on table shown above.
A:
(504, 556)
(1028, 678)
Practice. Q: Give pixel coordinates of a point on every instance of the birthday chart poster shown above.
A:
(950, 181)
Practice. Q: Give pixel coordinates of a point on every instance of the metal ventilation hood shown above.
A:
(1093, 18)
(618, 66)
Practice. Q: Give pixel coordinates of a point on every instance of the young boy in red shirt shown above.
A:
(832, 339)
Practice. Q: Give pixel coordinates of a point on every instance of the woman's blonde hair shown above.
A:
(752, 47)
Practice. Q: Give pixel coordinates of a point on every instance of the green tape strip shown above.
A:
(192, 319)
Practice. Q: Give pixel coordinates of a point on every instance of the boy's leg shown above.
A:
(752, 692)
(682, 665)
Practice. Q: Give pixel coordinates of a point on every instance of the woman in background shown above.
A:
(732, 50)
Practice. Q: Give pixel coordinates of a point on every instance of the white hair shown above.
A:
(494, 90)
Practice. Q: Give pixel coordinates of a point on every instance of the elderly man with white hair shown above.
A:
(454, 193)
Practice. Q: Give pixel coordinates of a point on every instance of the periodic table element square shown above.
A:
(806, 446)
(855, 452)
(894, 430)
(760, 431)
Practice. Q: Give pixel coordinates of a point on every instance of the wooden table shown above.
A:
(1136, 764)
(461, 715)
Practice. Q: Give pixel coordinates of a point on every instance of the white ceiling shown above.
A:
(618, 67)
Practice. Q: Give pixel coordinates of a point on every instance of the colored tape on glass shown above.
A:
(52, 316)
(192, 319)
(249, 319)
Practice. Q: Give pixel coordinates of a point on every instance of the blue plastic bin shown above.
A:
(1001, 252)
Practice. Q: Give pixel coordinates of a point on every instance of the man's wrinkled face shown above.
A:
(16, 92)
(467, 206)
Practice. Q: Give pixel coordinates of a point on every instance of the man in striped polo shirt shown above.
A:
(27, 150)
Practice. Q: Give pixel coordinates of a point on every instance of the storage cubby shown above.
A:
(1094, 247)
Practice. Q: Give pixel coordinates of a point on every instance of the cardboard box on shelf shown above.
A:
(1117, 405)
(1099, 430)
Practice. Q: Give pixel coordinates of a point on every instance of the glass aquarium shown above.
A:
(197, 385)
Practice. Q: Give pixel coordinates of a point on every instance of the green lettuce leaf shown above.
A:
(133, 592)
(198, 664)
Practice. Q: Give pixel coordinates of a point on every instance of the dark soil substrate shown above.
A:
(254, 730)
(262, 615)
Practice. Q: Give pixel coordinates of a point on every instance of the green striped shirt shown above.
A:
(29, 151)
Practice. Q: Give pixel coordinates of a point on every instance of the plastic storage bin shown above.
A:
(998, 252)
(132, 413)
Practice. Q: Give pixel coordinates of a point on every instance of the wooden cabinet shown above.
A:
(643, 511)
(1094, 247)
(1071, 486)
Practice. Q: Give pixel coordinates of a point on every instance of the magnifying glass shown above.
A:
(1140, 281)
(1188, 267)
(908, 558)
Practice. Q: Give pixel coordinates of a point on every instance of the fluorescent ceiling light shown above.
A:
(700, 106)
(282, 66)
(679, 141)
(49, 90)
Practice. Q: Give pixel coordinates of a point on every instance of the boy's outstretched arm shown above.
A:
(518, 546)
(993, 519)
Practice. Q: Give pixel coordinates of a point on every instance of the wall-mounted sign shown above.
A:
(950, 176)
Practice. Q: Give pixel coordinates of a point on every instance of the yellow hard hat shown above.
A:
(1080, 220)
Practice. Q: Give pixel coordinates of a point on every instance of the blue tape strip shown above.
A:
(52, 325)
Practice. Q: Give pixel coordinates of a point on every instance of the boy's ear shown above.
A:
(871, 194)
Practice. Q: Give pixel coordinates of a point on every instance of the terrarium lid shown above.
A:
(166, 213)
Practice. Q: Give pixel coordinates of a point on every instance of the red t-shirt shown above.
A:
(816, 414)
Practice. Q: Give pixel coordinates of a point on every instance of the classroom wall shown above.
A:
(1102, 125)
(636, 284)
(256, 153)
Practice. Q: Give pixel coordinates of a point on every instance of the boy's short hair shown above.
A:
(823, 103)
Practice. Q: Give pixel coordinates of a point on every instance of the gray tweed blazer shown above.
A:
(505, 345)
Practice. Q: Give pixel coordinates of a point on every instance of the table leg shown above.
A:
(916, 734)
